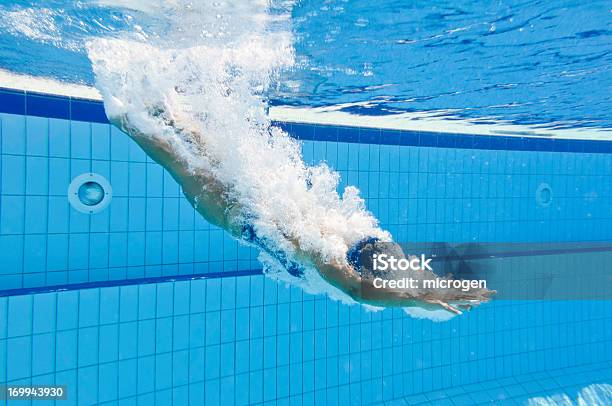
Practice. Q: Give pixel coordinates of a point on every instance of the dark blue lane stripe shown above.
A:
(531, 253)
(52, 106)
(256, 272)
(325, 132)
(124, 282)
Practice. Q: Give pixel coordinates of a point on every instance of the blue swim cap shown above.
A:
(353, 255)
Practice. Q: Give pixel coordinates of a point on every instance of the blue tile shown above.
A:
(57, 252)
(128, 346)
(89, 308)
(464, 140)
(165, 300)
(44, 358)
(390, 137)
(13, 134)
(498, 143)
(19, 357)
(100, 141)
(44, 313)
(47, 106)
(543, 144)
(153, 251)
(154, 180)
(120, 145)
(35, 253)
(529, 144)
(326, 133)
(136, 153)
(37, 136)
(212, 392)
(369, 136)
(16, 167)
(80, 140)
(212, 361)
(66, 350)
(88, 379)
(78, 262)
(591, 146)
(84, 110)
(12, 102)
(58, 215)
(137, 173)
(12, 215)
(304, 132)
(181, 298)
(19, 316)
(59, 138)
(88, 339)
(117, 249)
(409, 138)
(428, 139)
(353, 157)
(605, 147)
(482, 141)
(37, 176)
(575, 145)
(170, 247)
(515, 143)
(136, 250)
(108, 379)
(348, 134)
(561, 145)
(171, 188)
(446, 140)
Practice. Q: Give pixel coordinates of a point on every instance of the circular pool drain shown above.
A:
(89, 193)
(544, 195)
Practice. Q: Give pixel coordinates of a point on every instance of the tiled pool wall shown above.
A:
(422, 187)
(239, 337)
(148, 230)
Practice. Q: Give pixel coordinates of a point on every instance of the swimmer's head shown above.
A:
(361, 255)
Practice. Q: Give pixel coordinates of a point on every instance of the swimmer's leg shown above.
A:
(444, 305)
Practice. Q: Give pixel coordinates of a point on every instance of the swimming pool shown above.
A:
(115, 288)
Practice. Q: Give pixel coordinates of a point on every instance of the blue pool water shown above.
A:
(144, 302)
(525, 61)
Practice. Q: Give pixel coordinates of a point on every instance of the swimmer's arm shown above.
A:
(156, 147)
(345, 278)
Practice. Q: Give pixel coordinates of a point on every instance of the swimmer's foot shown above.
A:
(463, 302)
(446, 306)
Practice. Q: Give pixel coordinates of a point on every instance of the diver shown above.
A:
(352, 274)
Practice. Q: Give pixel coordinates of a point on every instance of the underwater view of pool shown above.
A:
(305, 202)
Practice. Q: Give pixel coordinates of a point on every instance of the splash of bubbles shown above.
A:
(213, 76)
(36, 24)
(596, 394)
